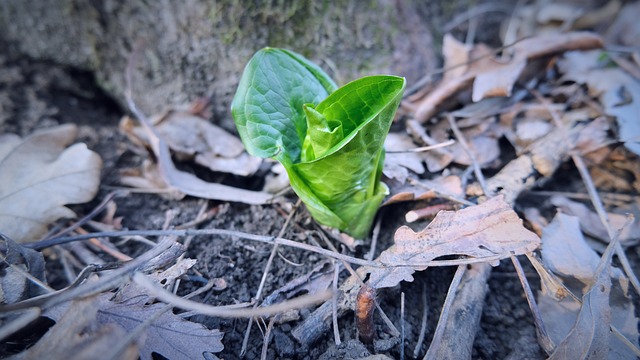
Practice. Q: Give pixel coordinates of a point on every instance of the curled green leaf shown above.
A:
(330, 142)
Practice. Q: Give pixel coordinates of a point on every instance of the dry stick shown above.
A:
(19, 322)
(471, 153)
(423, 323)
(334, 313)
(109, 281)
(374, 238)
(189, 232)
(226, 312)
(263, 281)
(604, 218)
(402, 325)
(593, 194)
(423, 148)
(92, 214)
(437, 339)
(544, 339)
(267, 335)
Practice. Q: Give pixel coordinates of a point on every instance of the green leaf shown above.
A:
(329, 141)
(341, 186)
(268, 105)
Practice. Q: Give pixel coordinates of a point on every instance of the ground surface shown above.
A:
(41, 95)
(38, 95)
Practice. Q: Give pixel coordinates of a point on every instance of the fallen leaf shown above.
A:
(192, 137)
(567, 254)
(426, 189)
(619, 92)
(486, 232)
(178, 181)
(39, 175)
(169, 335)
(14, 286)
(580, 328)
(625, 30)
(590, 221)
(495, 77)
(398, 163)
(76, 335)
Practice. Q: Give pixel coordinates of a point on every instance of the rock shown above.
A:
(186, 50)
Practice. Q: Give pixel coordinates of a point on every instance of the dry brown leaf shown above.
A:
(189, 184)
(39, 175)
(191, 137)
(497, 77)
(397, 165)
(14, 286)
(170, 335)
(626, 29)
(567, 254)
(486, 232)
(578, 328)
(76, 335)
(426, 189)
(456, 57)
(619, 92)
(590, 221)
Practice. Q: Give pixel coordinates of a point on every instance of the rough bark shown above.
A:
(194, 48)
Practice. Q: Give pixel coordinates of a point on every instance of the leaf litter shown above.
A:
(582, 295)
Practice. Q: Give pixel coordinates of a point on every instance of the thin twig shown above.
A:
(334, 301)
(402, 325)
(543, 336)
(374, 238)
(9, 328)
(423, 323)
(423, 148)
(474, 161)
(92, 214)
(444, 314)
(224, 312)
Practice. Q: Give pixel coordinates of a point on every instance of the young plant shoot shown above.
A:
(329, 139)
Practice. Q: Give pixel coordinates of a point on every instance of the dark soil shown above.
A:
(35, 95)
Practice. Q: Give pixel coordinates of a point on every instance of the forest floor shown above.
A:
(36, 95)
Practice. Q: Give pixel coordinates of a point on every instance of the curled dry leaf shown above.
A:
(14, 286)
(493, 77)
(179, 183)
(567, 254)
(169, 335)
(590, 221)
(619, 92)
(427, 189)
(39, 175)
(397, 163)
(486, 232)
(584, 328)
(78, 335)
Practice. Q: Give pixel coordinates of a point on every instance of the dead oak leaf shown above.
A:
(486, 232)
(493, 77)
(168, 335)
(39, 175)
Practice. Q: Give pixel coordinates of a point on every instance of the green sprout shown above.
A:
(329, 139)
